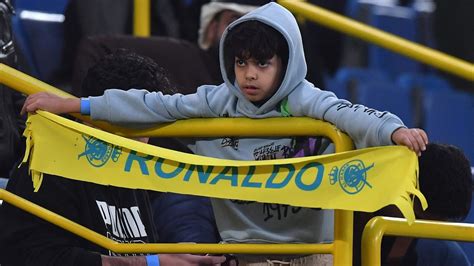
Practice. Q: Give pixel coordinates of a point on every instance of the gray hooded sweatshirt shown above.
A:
(250, 221)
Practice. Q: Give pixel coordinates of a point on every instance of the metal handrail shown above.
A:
(341, 248)
(141, 18)
(373, 35)
(379, 226)
(117, 247)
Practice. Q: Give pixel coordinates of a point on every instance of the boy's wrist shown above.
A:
(152, 260)
(84, 106)
(69, 105)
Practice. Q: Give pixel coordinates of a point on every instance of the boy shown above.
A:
(123, 215)
(263, 66)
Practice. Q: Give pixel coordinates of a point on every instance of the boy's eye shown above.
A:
(263, 63)
(240, 62)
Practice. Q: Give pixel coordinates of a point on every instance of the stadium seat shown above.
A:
(402, 22)
(347, 79)
(448, 119)
(423, 81)
(22, 46)
(50, 6)
(419, 83)
(38, 31)
(385, 96)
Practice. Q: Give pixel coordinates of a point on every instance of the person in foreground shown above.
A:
(446, 182)
(123, 215)
(263, 67)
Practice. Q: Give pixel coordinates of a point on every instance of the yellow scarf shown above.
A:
(362, 180)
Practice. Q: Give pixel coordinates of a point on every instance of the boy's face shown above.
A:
(258, 80)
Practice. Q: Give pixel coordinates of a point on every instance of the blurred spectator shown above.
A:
(11, 124)
(216, 16)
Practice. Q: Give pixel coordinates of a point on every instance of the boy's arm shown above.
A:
(51, 103)
(140, 107)
(369, 127)
(366, 126)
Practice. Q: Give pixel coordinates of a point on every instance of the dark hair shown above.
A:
(253, 39)
(446, 181)
(124, 69)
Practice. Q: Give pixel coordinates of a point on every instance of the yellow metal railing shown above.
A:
(116, 247)
(141, 18)
(341, 248)
(392, 42)
(377, 227)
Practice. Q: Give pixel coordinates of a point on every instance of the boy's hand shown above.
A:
(414, 138)
(51, 103)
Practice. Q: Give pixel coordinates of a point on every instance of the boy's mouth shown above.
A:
(250, 89)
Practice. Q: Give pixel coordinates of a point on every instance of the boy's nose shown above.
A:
(251, 74)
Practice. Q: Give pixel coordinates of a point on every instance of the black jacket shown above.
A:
(123, 215)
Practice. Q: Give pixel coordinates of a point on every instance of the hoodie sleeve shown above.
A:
(142, 107)
(366, 126)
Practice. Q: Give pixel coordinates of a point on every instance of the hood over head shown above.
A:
(279, 18)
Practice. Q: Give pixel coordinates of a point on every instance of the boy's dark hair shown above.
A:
(253, 39)
(124, 69)
(446, 181)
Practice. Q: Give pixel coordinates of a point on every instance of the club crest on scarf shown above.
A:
(352, 176)
(99, 152)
